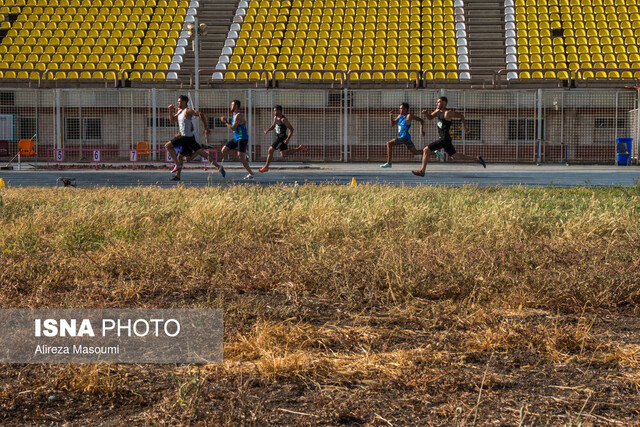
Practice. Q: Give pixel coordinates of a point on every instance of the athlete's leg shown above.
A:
(243, 159)
(172, 152)
(270, 152)
(203, 153)
(477, 159)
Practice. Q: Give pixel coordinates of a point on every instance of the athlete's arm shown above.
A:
(391, 119)
(172, 113)
(455, 115)
(288, 125)
(237, 121)
(272, 127)
(205, 122)
(429, 116)
(419, 120)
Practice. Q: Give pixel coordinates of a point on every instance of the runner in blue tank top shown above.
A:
(240, 136)
(445, 116)
(403, 120)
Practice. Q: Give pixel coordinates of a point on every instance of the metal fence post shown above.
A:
(154, 120)
(539, 136)
(250, 124)
(345, 127)
(58, 120)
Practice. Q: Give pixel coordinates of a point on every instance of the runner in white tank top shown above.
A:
(186, 138)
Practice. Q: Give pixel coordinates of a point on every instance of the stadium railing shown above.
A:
(606, 75)
(322, 75)
(100, 75)
(525, 75)
(253, 75)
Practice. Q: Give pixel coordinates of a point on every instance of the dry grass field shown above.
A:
(362, 305)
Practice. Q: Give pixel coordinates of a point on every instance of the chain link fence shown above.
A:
(524, 126)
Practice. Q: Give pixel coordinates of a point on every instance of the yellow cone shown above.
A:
(353, 182)
(1, 182)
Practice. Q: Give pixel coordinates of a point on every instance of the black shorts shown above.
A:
(279, 143)
(241, 145)
(445, 143)
(188, 144)
(404, 141)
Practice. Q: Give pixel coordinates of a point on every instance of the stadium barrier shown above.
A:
(548, 125)
(316, 75)
(86, 75)
(20, 74)
(532, 76)
(586, 77)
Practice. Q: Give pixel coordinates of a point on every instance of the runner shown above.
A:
(444, 117)
(186, 138)
(240, 136)
(403, 120)
(280, 124)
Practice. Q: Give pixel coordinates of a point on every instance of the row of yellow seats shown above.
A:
(337, 67)
(336, 30)
(335, 59)
(339, 19)
(100, 18)
(575, 25)
(93, 3)
(334, 42)
(90, 59)
(567, 12)
(342, 51)
(579, 58)
(103, 42)
(300, 36)
(98, 26)
(347, 4)
(573, 3)
(87, 50)
(333, 35)
(624, 8)
(60, 11)
(415, 11)
(30, 35)
(571, 34)
(578, 41)
(554, 17)
(317, 75)
(560, 49)
(569, 49)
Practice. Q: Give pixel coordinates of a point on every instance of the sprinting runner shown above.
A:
(186, 138)
(444, 117)
(403, 120)
(280, 124)
(240, 136)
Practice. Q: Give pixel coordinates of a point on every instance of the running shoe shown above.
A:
(439, 154)
(222, 171)
(248, 177)
(303, 149)
(386, 165)
(176, 168)
(175, 178)
(263, 169)
(417, 173)
(481, 160)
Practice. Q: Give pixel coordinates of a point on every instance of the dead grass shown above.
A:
(368, 305)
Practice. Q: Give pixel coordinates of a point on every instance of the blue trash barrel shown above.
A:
(623, 151)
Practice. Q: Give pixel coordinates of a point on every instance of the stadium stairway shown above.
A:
(218, 15)
(486, 36)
